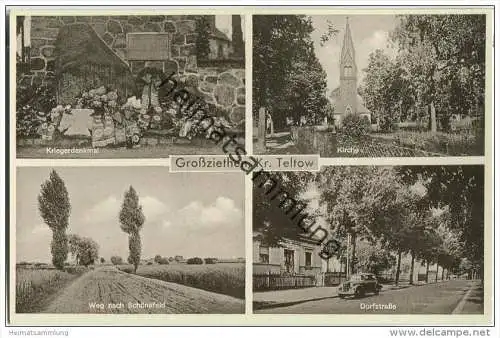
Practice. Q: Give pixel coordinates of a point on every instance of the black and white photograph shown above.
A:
(128, 86)
(370, 240)
(139, 240)
(369, 85)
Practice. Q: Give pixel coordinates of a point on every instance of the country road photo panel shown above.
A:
(127, 86)
(370, 240)
(128, 240)
(364, 85)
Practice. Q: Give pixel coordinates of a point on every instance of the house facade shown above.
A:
(292, 257)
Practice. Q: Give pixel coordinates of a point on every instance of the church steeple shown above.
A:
(347, 58)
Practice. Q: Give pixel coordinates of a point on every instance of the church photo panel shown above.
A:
(369, 85)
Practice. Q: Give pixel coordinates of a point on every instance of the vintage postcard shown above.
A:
(277, 166)
(370, 85)
(128, 86)
(128, 240)
(370, 240)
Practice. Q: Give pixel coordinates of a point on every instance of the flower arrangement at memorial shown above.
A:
(115, 121)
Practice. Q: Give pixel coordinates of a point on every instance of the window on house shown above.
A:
(264, 254)
(308, 259)
(220, 52)
(289, 260)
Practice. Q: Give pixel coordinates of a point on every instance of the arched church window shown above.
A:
(348, 71)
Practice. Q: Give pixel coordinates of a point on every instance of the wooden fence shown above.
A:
(263, 282)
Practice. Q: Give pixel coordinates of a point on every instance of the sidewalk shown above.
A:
(279, 298)
(270, 299)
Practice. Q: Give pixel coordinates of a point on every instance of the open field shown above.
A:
(108, 290)
(224, 278)
(36, 287)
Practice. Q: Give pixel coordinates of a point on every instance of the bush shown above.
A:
(163, 261)
(116, 260)
(210, 260)
(355, 126)
(195, 260)
(149, 263)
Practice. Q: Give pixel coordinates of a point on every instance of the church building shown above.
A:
(345, 98)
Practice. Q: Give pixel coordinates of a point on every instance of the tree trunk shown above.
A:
(427, 273)
(437, 271)
(398, 268)
(433, 122)
(412, 267)
(353, 254)
(442, 274)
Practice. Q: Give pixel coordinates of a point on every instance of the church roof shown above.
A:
(347, 53)
(334, 99)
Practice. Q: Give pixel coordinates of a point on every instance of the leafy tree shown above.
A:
(459, 190)
(287, 77)
(387, 90)
(194, 260)
(131, 222)
(373, 258)
(85, 250)
(55, 208)
(157, 258)
(202, 37)
(445, 58)
(116, 260)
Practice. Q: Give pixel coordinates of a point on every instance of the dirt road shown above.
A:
(108, 290)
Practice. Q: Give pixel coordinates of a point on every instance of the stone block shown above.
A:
(136, 20)
(67, 19)
(229, 79)
(224, 95)
(152, 27)
(169, 27)
(114, 27)
(179, 39)
(170, 66)
(108, 38)
(48, 51)
(191, 38)
(186, 26)
(37, 64)
(240, 95)
(237, 114)
(206, 87)
(187, 50)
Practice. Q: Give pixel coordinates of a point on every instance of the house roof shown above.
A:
(219, 35)
(79, 43)
(335, 99)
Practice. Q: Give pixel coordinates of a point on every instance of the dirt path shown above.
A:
(108, 290)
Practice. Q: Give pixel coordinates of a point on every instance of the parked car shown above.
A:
(359, 284)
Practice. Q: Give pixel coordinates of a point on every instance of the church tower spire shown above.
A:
(348, 74)
(348, 56)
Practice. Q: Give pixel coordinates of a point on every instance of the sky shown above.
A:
(369, 32)
(224, 23)
(188, 214)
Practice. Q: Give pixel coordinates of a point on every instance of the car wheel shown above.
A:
(377, 291)
(341, 296)
(359, 293)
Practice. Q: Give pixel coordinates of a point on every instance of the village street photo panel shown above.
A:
(128, 240)
(370, 240)
(127, 86)
(366, 85)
